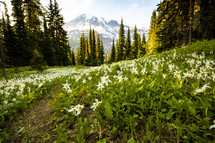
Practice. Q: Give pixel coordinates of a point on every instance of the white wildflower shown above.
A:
(203, 89)
(105, 79)
(95, 104)
(213, 126)
(79, 109)
(100, 86)
(66, 86)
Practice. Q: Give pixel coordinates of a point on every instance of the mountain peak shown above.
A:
(108, 30)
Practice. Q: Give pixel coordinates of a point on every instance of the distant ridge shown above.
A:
(106, 29)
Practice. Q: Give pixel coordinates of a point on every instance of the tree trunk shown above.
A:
(203, 28)
(191, 19)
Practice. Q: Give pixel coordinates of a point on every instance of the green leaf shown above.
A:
(20, 130)
(131, 140)
(140, 88)
(169, 115)
(113, 131)
(103, 140)
(140, 82)
(108, 110)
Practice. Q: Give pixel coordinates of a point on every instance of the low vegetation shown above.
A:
(167, 97)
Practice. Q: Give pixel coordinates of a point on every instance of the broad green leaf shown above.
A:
(131, 140)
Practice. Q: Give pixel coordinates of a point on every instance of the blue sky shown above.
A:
(132, 11)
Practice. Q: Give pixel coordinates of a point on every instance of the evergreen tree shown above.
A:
(62, 49)
(90, 42)
(206, 19)
(73, 57)
(33, 23)
(121, 42)
(87, 55)
(24, 52)
(135, 44)
(144, 44)
(93, 52)
(140, 48)
(108, 60)
(106, 57)
(180, 22)
(152, 43)
(47, 46)
(82, 49)
(101, 53)
(58, 34)
(77, 56)
(117, 50)
(128, 45)
(8, 49)
(113, 52)
(98, 47)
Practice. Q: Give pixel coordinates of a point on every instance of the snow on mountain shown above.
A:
(107, 30)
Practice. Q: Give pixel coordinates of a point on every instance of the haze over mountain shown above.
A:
(107, 29)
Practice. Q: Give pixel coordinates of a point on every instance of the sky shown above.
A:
(133, 12)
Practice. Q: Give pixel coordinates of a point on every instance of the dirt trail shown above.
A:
(37, 123)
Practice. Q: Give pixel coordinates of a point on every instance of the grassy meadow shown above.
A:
(166, 97)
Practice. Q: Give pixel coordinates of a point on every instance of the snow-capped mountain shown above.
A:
(107, 30)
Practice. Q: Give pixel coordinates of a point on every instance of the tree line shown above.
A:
(124, 49)
(36, 38)
(174, 23)
(91, 50)
(179, 22)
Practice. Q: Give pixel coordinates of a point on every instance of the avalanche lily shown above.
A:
(79, 108)
(213, 126)
(73, 110)
(105, 79)
(66, 86)
(95, 104)
(201, 90)
(100, 86)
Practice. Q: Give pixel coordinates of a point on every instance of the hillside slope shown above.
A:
(167, 97)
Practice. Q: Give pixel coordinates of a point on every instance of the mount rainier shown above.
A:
(107, 30)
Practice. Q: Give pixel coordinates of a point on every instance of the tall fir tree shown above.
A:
(121, 42)
(73, 57)
(8, 53)
(77, 57)
(87, 54)
(58, 34)
(33, 23)
(93, 52)
(152, 41)
(62, 48)
(128, 45)
(101, 53)
(47, 45)
(108, 56)
(140, 48)
(24, 52)
(144, 44)
(113, 52)
(98, 47)
(117, 50)
(134, 50)
(90, 42)
(82, 49)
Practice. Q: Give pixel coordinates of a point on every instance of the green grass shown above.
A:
(151, 99)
